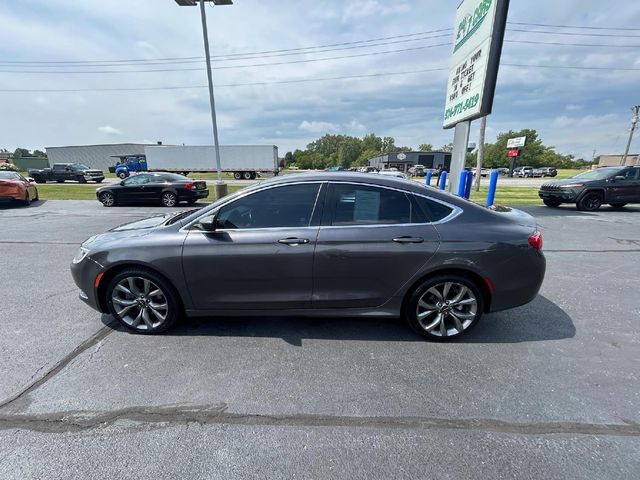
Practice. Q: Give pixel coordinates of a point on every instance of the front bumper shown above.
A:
(84, 275)
(558, 195)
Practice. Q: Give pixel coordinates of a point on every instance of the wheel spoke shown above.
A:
(155, 293)
(466, 301)
(445, 290)
(434, 291)
(457, 322)
(124, 289)
(123, 302)
(465, 315)
(426, 305)
(425, 314)
(146, 284)
(132, 286)
(435, 323)
(461, 294)
(125, 310)
(158, 306)
(137, 320)
(443, 327)
(146, 318)
(158, 315)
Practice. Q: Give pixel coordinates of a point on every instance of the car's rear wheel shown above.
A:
(552, 203)
(246, 175)
(143, 301)
(169, 199)
(27, 199)
(617, 205)
(590, 202)
(444, 307)
(237, 175)
(107, 199)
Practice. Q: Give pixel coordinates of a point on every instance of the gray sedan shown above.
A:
(326, 244)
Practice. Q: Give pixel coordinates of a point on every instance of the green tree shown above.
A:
(363, 158)
(425, 147)
(372, 142)
(39, 153)
(21, 152)
(447, 148)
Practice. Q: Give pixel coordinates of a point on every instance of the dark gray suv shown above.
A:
(329, 244)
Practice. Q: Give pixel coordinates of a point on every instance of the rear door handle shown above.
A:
(408, 240)
(293, 241)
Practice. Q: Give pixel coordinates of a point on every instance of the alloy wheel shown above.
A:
(140, 303)
(107, 199)
(446, 309)
(169, 199)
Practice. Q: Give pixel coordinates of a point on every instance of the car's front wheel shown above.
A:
(122, 175)
(143, 301)
(552, 203)
(81, 179)
(27, 199)
(590, 202)
(444, 307)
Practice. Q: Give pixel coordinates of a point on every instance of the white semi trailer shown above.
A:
(244, 161)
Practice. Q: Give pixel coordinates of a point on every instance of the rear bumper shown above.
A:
(194, 194)
(520, 285)
(11, 197)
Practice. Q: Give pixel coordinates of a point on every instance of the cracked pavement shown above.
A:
(548, 390)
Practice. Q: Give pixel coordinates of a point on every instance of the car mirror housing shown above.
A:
(122, 183)
(618, 177)
(208, 223)
(30, 180)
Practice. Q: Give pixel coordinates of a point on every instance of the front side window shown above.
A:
(365, 205)
(630, 174)
(137, 180)
(286, 206)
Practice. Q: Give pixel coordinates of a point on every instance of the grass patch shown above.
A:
(509, 196)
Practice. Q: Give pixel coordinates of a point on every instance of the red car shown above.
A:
(14, 187)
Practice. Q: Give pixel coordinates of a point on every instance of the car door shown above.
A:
(133, 189)
(373, 240)
(152, 191)
(260, 256)
(626, 189)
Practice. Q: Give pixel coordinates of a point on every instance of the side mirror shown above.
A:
(122, 183)
(30, 180)
(208, 223)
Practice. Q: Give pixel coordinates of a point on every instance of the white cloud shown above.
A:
(366, 8)
(318, 127)
(109, 130)
(355, 125)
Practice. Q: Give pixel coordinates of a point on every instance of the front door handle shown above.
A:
(293, 241)
(408, 240)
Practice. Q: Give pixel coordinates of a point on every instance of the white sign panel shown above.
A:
(478, 33)
(516, 142)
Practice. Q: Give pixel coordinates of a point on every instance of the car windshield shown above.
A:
(599, 174)
(9, 176)
(81, 165)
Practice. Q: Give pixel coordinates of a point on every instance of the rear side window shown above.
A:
(364, 205)
(433, 211)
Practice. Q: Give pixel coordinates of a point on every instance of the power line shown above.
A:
(572, 26)
(563, 44)
(301, 80)
(223, 58)
(577, 34)
(225, 67)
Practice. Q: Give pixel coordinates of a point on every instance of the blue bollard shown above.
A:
(462, 185)
(493, 183)
(443, 179)
(467, 190)
(428, 177)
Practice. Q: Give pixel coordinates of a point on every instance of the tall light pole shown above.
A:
(221, 187)
(634, 123)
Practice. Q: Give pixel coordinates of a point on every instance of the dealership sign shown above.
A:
(516, 142)
(478, 36)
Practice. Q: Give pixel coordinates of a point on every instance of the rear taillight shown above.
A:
(535, 241)
(190, 186)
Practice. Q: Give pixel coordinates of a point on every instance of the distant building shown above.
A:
(5, 157)
(94, 156)
(404, 160)
(614, 160)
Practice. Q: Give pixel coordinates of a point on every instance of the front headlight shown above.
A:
(573, 185)
(82, 253)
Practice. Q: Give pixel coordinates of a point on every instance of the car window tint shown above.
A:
(137, 180)
(432, 210)
(156, 179)
(362, 205)
(630, 174)
(286, 206)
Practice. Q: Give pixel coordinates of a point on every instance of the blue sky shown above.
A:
(577, 111)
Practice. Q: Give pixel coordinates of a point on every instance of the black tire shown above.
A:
(60, 181)
(172, 312)
(191, 201)
(246, 175)
(169, 199)
(237, 175)
(107, 199)
(468, 314)
(253, 175)
(590, 202)
(98, 181)
(81, 179)
(552, 203)
(122, 175)
(617, 205)
(27, 199)
(37, 197)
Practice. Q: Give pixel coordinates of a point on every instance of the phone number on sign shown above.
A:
(462, 106)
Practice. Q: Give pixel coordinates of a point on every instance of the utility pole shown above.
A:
(483, 126)
(634, 123)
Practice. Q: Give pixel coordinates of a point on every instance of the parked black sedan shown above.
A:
(167, 188)
(616, 186)
(325, 244)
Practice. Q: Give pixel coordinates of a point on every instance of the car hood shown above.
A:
(138, 228)
(566, 181)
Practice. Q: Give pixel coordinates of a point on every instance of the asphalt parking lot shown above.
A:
(548, 390)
